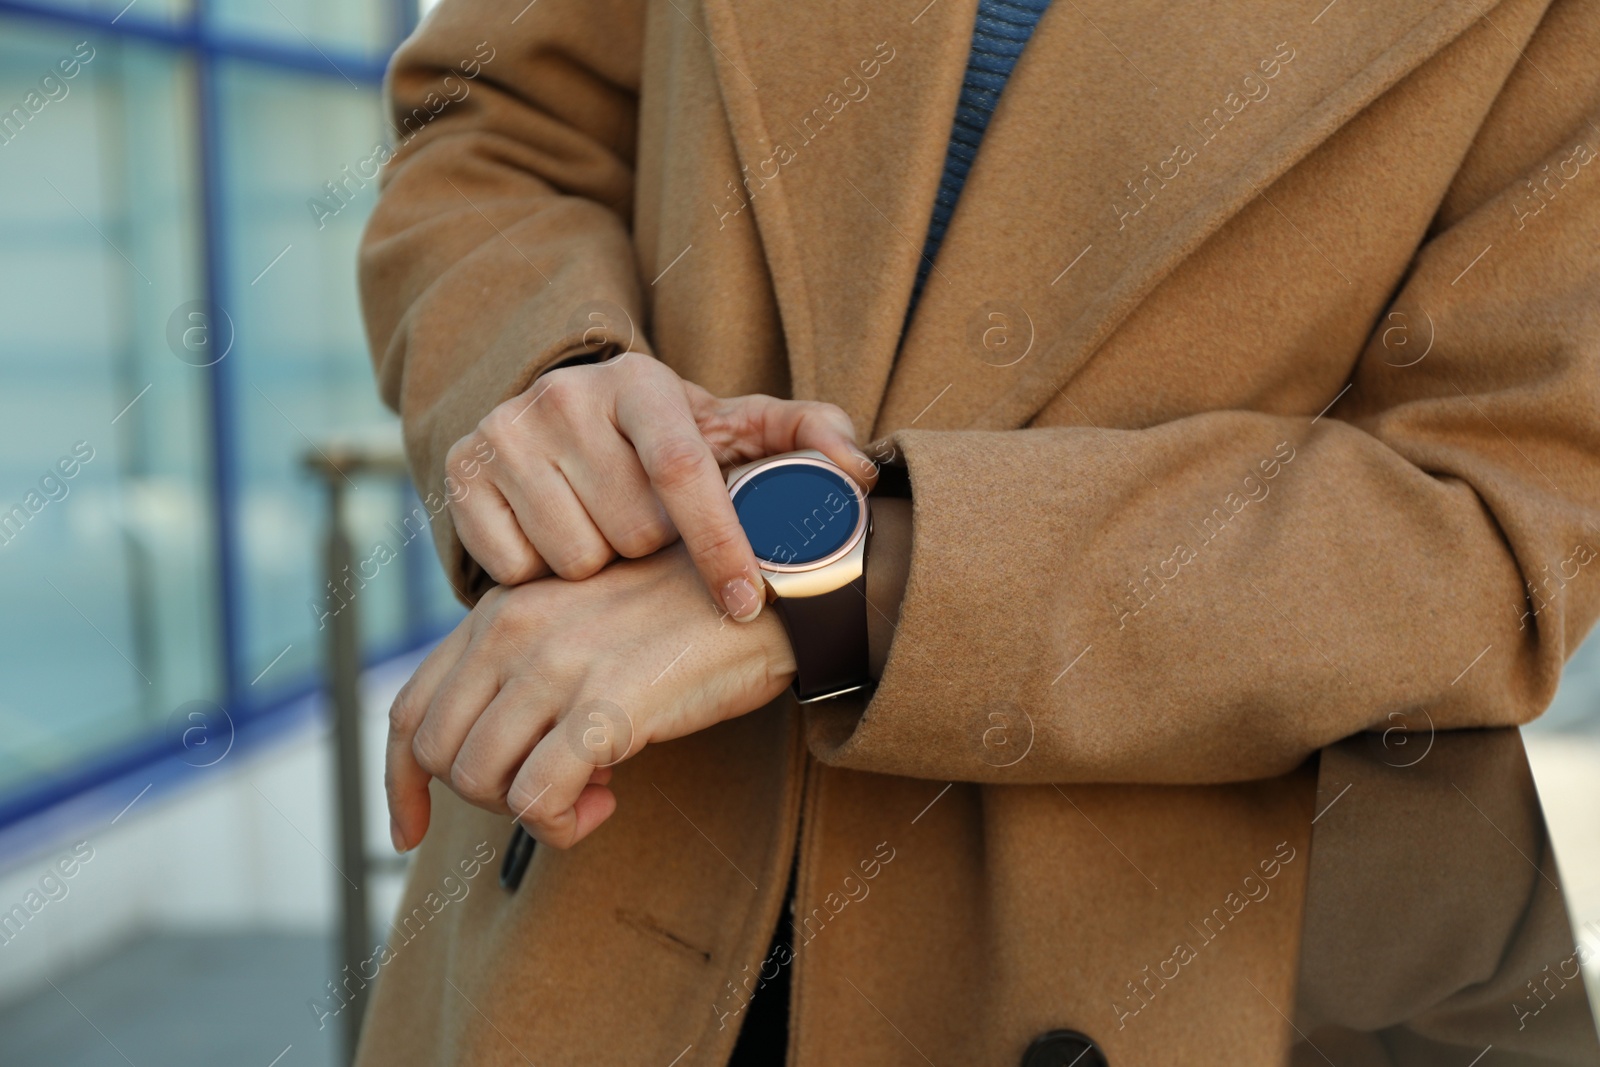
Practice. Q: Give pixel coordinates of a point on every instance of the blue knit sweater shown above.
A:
(1003, 28)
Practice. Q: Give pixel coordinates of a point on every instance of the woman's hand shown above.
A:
(543, 687)
(621, 458)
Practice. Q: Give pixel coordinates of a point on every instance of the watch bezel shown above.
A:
(862, 510)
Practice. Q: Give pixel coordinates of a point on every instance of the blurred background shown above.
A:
(182, 186)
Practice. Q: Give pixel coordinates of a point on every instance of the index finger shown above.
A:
(686, 476)
(405, 783)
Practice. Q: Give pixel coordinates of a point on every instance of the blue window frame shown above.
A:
(175, 173)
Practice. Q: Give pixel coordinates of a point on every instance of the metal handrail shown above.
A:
(337, 464)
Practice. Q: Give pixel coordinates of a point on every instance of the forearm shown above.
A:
(1184, 602)
(1150, 636)
(502, 227)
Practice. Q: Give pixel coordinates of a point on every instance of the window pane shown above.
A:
(358, 27)
(300, 373)
(106, 561)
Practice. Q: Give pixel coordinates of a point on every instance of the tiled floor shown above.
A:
(181, 1001)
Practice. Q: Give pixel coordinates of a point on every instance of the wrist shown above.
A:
(773, 645)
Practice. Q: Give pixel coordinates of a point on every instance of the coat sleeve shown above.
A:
(500, 246)
(1217, 597)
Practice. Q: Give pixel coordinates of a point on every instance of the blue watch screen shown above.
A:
(797, 513)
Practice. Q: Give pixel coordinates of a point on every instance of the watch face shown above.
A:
(798, 513)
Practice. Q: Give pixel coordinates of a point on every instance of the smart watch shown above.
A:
(807, 521)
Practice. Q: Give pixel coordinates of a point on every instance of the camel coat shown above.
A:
(1251, 402)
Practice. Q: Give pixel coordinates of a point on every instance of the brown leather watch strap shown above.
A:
(829, 637)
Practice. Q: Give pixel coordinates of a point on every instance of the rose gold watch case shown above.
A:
(833, 571)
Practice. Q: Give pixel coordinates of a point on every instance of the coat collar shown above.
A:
(1131, 131)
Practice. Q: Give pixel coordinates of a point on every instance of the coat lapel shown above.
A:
(1130, 132)
(841, 113)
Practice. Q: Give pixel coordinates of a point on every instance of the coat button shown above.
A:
(1063, 1048)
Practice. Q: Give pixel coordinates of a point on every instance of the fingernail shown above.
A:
(394, 836)
(739, 597)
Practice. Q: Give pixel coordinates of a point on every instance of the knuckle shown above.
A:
(718, 538)
(498, 425)
(427, 755)
(513, 567)
(510, 619)
(560, 390)
(741, 416)
(528, 806)
(491, 622)
(634, 365)
(502, 549)
(468, 786)
(494, 563)
(644, 538)
(581, 563)
(489, 605)
(404, 712)
(677, 462)
(522, 573)
(460, 451)
(836, 415)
